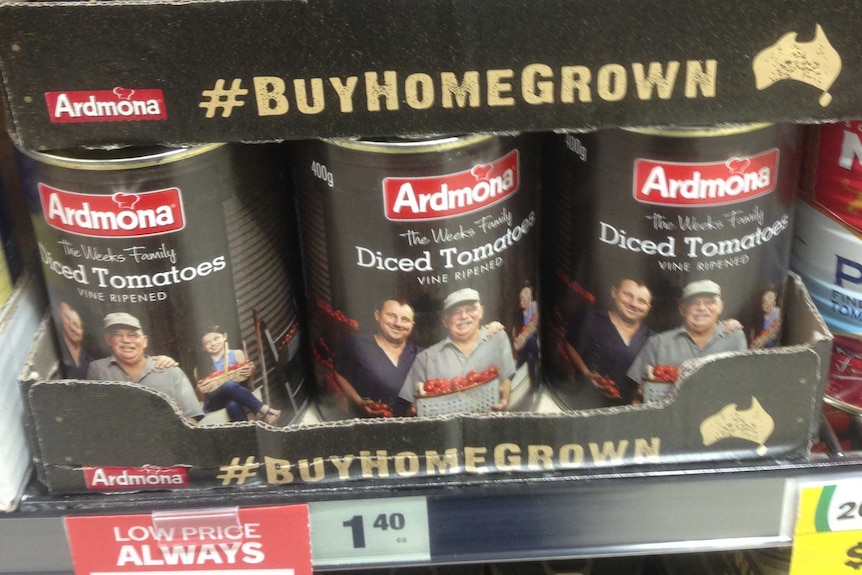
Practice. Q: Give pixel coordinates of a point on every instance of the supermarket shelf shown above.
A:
(643, 511)
(613, 511)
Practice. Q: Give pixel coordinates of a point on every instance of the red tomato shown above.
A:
(668, 373)
(605, 382)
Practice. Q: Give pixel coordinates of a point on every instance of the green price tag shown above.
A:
(369, 531)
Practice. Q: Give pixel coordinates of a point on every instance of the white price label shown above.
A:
(369, 531)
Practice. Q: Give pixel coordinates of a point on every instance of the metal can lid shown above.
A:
(121, 158)
(699, 131)
(408, 145)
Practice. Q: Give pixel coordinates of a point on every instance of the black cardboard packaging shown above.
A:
(739, 406)
(177, 72)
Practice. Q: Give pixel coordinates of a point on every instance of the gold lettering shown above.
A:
(612, 83)
(461, 93)
(575, 79)
(277, 471)
(474, 459)
(698, 77)
(540, 456)
(419, 91)
(645, 451)
(388, 90)
(608, 453)
(342, 464)
(345, 90)
(499, 87)
(655, 78)
(406, 463)
(269, 95)
(374, 464)
(571, 455)
(537, 84)
(507, 457)
(304, 468)
(448, 463)
(317, 99)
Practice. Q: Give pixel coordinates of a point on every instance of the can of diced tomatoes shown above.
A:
(827, 253)
(175, 255)
(421, 270)
(662, 245)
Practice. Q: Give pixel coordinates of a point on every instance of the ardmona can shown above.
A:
(421, 270)
(662, 245)
(176, 255)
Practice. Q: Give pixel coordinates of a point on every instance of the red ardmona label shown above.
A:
(839, 173)
(134, 478)
(444, 196)
(698, 184)
(117, 105)
(266, 540)
(117, 215)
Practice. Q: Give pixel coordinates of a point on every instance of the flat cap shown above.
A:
(701, 287)
(121, 318)
(460, 296)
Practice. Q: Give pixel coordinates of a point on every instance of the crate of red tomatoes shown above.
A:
(659, 382)
(474, 392)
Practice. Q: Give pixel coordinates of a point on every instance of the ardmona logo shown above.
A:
(435, 197)
(697, 184)
(117, 215)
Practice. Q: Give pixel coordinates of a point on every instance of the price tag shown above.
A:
(828, 536)
(369, 531)
(256, 541)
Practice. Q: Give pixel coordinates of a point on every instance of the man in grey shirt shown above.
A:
(129, 363)
(701, 333)
(467, 347)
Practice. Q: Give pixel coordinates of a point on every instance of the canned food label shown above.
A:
(656, 241)
(118, 215)
(390, 238)
(436, 197)
(837, 187)
(175, 275)
(828, 258)
(704, 184)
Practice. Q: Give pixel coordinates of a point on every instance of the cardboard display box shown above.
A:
(181, 72)
(737, 406)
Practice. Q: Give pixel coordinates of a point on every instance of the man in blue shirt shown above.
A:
(605, 342)
(370, 368)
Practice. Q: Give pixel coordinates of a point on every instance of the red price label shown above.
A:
(257, 541)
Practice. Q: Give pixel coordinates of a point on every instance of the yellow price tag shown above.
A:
(828, 536)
